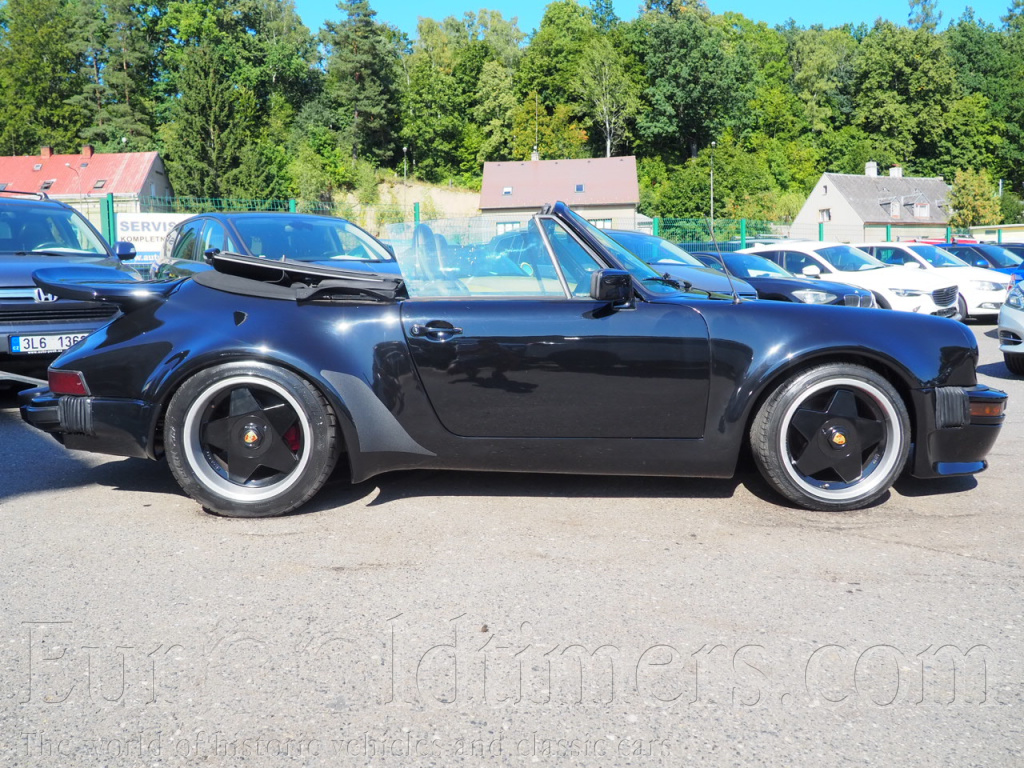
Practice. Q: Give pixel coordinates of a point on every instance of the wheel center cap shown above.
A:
(836, 438)
(252, 436)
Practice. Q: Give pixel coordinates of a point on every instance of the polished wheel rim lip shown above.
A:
(874, 471)
(195, 453)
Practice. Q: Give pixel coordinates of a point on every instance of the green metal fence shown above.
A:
(725, 235)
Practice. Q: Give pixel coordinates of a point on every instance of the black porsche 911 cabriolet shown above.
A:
(566, 355)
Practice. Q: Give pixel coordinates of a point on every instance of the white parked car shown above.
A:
(981, 290)
(910, 290)
(1011, 329)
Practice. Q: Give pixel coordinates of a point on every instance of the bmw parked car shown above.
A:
(36, 326)
(1017, 249)
(302, 237)
(893, 287)
(670, 259)
(1011, 329)
(255, 378)
(981, 290)
(774, 283)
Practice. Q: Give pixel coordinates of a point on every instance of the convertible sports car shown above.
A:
(255, 378)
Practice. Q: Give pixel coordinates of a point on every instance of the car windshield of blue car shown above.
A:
(846, 258)
(654, 250)
(653, 280)
(309, 238)
(937, 257)
(47, 230)
(748, 265)
(1002, 257)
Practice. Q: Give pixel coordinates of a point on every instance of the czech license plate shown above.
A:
(38, 345)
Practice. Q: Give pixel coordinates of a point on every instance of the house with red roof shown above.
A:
(603, 190)
(87, 174)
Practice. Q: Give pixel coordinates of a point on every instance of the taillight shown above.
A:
(66, 382)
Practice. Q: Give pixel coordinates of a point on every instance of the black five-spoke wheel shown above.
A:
(832, 438)
(249, 439)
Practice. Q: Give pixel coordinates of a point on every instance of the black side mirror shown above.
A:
(614, 286)
(124, 251)
(982, 263)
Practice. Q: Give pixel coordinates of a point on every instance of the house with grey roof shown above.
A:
(603, 190)
(846, 207)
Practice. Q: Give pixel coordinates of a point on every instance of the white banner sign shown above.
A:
(146, 231)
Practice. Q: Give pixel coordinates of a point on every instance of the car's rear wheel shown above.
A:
(832, 438)
(1014, 362)
(249, 439)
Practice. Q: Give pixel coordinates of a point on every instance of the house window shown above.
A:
(579, 187)
(99, 184)
(825, 214)
(506, 191)
(46, 185)
(894, 209)
(922, 210)
(507, 226)
(3, 187)
(824, 189)
(601, 223)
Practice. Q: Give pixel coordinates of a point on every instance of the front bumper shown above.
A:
(101, 425)
(951, 438)
(1011, 330)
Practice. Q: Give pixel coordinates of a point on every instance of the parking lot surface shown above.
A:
(437, 618)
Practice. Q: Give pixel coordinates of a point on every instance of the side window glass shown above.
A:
(576, 262)
(889, 255)
(214, 236)
(185, 244)
(795, 262)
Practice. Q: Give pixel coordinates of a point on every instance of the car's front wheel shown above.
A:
(832, 438)
(249, 439)
(1014, 362)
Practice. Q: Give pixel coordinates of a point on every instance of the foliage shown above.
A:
(243, 100)
(974, 200)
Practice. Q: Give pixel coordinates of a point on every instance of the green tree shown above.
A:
(923, 15)
(697, 83)
(551, 60)
(40, 72)
(362, 80)
(974, 200)
(494, 108)
(608, 94)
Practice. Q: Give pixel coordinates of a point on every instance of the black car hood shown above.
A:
(790, 284)
(16, 271)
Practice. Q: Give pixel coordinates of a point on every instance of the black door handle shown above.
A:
(436, 329)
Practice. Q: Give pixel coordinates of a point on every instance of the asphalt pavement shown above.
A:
(450, 619)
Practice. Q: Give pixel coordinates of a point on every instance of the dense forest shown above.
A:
(243, 100)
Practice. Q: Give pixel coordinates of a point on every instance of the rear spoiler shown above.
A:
(102, 284)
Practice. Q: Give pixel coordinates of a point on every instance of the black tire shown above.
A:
(961, 306)
(1014, 362)
(832, 438)
(249, 439)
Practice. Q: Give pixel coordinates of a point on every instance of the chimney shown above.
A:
(535, 155)
(46, 152)
(896, 172)
(87, 150)
(871, 168)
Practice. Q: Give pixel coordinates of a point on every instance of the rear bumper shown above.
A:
(950, 440)
(100, 425)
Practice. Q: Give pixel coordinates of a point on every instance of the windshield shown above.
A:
(654, 249)
(1002, 257)
(749, 265)
(47, 229)
(650, 277)
(846, 258)
(937, 257)
(308, 238)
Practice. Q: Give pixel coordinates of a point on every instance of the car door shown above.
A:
(528, 357)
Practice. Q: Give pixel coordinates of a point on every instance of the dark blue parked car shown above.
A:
(308, 238)
(775, 283)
